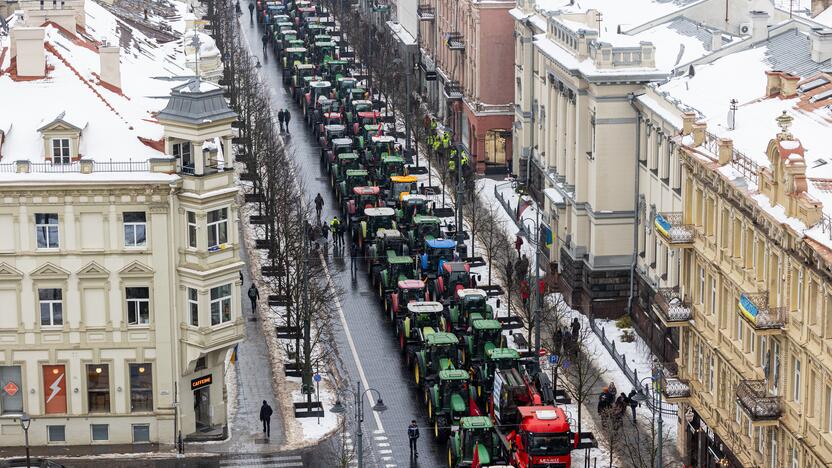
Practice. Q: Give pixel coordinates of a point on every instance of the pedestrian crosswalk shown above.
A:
(264, 461)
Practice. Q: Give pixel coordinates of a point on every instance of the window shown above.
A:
(11, 398)
(56, 433)
(98, 389)
(775, 377)
(60, 151)
(46, 230)
(138, 306)
(795, 458)
(220, 304)
(182, 151)
(828, 409)
(51, 307)
(761, 440)
(699, 363)
(796, 381)
(200, 364)
(774, 461)
(191, 229)
(141, 387)
(739, 329)
(799, 298)
(701, 285)
(141, 433)
(711, 373)
(737, 412)
(100, 432)
(217, 227)
(713, 295)
(193, 306)
(135, 229)
(779, 279)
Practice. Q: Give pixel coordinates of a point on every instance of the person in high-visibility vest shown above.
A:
(446, 140)
(452, 165)
(463, 161)
(436, 144)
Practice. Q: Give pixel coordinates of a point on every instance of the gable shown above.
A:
(9, 273)
(49, 271)
(93, 270)
(136, 269)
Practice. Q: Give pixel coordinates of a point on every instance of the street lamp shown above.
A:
(640, 396)
(534, 239)
(25, 422)
(358, 397)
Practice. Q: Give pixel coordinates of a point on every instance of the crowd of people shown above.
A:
(612, 408)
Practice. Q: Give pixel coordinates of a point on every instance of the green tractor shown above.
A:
(361, 199)
(335, 147)
(293, 56)
(475, 433)
(410, 206)
(300, 73)
(398, 304)
(387, 243)
(418, 320)
(395, 269)
(423, 228)
(353, 178)
(448, 400)
(344, 162)
(335, 70)
(485, 335)
(470, 305)
(365, 231)
(389, 166)
(495, 359)
(378, 146)
(439, 351)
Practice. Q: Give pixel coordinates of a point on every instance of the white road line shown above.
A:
(352, 347)
(380, 438)
(385, 451)
(383, 444)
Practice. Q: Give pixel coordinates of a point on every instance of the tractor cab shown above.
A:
(435, 253)
(385, 245)
(361, 199)
(424, 228)
(317, 89)
(401, 185)
(294, 56)
(470, 305)
(439, 352)
(333, 148)
(353, 178)
(397, 268)
(453, 277)
(325, 50)
(328, 130)
(543, 437)
(495, 359)
(390, 165)
(333, 117)
(420, 317)
(358, 103)
(335, 69)
(300, 72)
(283, 37)
(305, 13)
(410, 291)
(485, 335)
(411, 205)
(475, 433)
(377, 218)
(449, 399)
(344, 162)
(368, 117)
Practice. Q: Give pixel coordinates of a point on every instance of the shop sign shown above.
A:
(203, 381)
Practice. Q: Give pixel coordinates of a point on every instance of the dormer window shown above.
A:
(61, 151)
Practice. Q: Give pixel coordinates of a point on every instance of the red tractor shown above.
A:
(453, 276)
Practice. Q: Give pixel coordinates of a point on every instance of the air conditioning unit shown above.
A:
(745, 28)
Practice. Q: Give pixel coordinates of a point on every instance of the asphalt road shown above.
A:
(376, 351)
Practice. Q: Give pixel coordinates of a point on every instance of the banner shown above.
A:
(54, 389)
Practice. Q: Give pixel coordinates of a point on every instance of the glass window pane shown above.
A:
(141, 387)
(100, 431)
(138, 293)
(98, 388)
(141, 234)
(215, 313)
(56, 433)
(223, 233)
(57, 313)
(10, 376)
(134, 217)
(141, 433)
(226, 310)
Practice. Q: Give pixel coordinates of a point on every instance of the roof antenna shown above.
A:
(732, 115)
(196, 43)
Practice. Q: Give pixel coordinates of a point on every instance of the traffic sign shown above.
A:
(11, 388)
(553, 359)
(565, 364)
(317, 377)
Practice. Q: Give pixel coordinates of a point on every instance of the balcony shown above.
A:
(673, 231)
(673, 310)
(453, 91)
(765, 319)
(763, 409)
(674, 389)
(454, 41)
(426, 13)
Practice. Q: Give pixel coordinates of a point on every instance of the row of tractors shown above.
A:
(486, 401)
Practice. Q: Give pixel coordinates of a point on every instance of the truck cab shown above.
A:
(543, 438)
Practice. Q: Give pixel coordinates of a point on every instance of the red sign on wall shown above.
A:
(54, 389)
(11, 389)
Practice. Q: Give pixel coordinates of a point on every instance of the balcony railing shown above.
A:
(673, 387)
(453, 90)
(454, 41)
(755, 400)
(672, 306)
(757, 311)
(671, 228)
(426, 13)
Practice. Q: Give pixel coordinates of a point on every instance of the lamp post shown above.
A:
(535, 241)
(25, 422)
(658, 376)
(358, 397)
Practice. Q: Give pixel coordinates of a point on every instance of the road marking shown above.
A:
(385, 451)
(380, 438)
(350, 341)
(383, 444)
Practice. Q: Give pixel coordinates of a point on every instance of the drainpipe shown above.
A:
(531, 104)
(631, 98)
(174, 317)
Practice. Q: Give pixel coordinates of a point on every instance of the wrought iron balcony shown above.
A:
(672, 230)
(426, 13)
(453, 90)
(454, 41)
(754, 398)
(757, 311)
(674, 389)
(672, 307)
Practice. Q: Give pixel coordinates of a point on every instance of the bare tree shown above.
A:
(640, 443)
(344, 453)
(582, 373)
(610, 431)
(492, 236)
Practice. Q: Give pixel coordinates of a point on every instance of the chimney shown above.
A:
(699, 133)
(27, 46)
(725, 147)
(110, 65)
(688, 118)
(759, 25)
(648, 55)
(773, 83)
(821, 44)
(788, 85)
(819, 6)
(716, 40)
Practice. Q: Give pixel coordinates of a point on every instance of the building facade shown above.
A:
(119, 258)
(467, 50)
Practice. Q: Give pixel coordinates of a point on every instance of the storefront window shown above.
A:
(98, 388)
(11, 395)
(141, 387)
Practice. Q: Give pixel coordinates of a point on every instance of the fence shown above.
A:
(631, 374)
(512, 213)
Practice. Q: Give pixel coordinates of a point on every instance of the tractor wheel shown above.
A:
(440, 428)
(416, 373)
(401, 342)
(430, 410)
(387, 307)
(451, 456)
(436, 428)
(380, 290)
(427, 396)
(392, 316)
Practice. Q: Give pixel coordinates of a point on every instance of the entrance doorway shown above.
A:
(495, 146)
(202, 405)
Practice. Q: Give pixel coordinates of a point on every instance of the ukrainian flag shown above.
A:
(662, 225)
(547, 237)
(748, 308)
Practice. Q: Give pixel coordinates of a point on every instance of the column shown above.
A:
(199, 158)
(570, 141)
(559, 134)
(228, 151)
(551, 119)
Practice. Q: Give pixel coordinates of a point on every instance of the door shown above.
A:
(202, 403)
(495, 147)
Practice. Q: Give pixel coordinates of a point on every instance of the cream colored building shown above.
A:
(119, 248)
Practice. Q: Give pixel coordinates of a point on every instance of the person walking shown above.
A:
(287, 117)
(266, 418)
(576, 327)
(633, 403)
(413, 435)
(319, 204)
(333, 227)
(518, 244)
(265, 40)
(280, 118)
(253, 294)
(341, 230)
(612, 388)
(251, 11)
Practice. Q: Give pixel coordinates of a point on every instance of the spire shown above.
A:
(784, 121)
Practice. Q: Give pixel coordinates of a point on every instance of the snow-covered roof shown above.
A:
(825, 17)
(118, 124)
(681, 41)
(626, 14)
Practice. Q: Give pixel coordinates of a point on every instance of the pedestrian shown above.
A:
(237, 9)
(603, 401)
(251, 11)
(266, 418)
(518, 244)
(319, 204)
(280, 117)
(612, 388)
(333, 227)
(253, 294)
(558, 339)
(633, 403)
(265, 40)
(287, 117)
(576, 327)
(619, 408)
(341, 230)
(413, 435)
